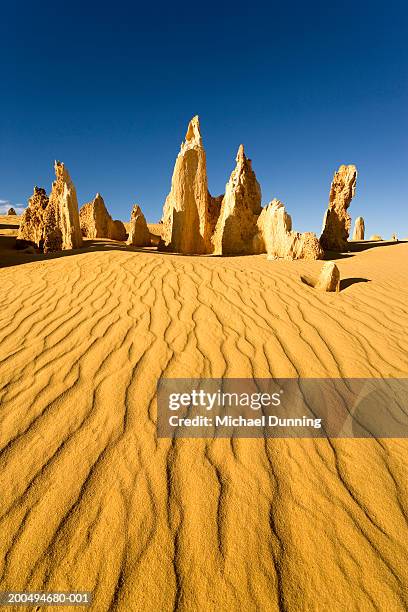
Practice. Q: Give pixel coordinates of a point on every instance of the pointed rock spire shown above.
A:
(241, 205)
(63, 207)
(139, 234)
(96, 221)
(187, 210)
(337, 222)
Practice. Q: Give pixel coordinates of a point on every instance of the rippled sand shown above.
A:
(92, 500)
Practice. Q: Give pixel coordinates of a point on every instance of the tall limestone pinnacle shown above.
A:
(237, 222)
(64, 205)
(359, 229)
(188, 207)
(337, 222)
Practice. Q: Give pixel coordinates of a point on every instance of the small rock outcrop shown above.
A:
(63, 208)
(376, 238)
(96, 222)
(277, 238)
(329, 277)
(139, 234)
(394, 237)
(187, 209)
(359, 229)
(11, 211)
(241, 205)
(32, 225)
(336, 224)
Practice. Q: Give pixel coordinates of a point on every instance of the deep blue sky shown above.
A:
(109, 88)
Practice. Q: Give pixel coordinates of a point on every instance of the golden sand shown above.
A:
(92, 500)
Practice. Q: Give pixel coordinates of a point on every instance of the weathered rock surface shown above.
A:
(11, 211)
(336, 224)
(277, 238)
(394, 237)
(96, 221)
(118, 231)
(329, 278)
(376, 237)
(52, 224)
(139, 234)
(63, 209)
(32, 225)
(241, 205)
(188, 207)
(359, 229)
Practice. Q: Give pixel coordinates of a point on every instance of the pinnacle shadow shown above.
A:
(348, 282)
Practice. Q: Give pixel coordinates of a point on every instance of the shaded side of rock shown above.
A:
(359, 229)
(187, 227)
(117, 231)
(241, 205)
(276, 237)
(139, 234)
(214, 209)
(337, 222)
(11, 211)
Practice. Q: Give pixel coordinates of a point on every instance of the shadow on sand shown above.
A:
(10, 256)
(358, 247)
(344, 283)
(347, 282)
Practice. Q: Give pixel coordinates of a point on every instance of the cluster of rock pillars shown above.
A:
(193, 221)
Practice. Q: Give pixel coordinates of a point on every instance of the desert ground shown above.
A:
(92, 500)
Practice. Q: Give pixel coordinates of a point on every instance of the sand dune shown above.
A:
(92, 500)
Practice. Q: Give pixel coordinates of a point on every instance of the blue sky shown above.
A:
(109, 88)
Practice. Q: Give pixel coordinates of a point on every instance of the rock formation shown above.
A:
(118, 231)
(336, 224)
(376, 238)
(11, 211)
(96, 222)
(52, 224)
(63, 207)
(277, 238)
(32, 225)
(329, 278)
(358, 233)
(188, 207)
(241, 205)
(394, 237)
(139, 234)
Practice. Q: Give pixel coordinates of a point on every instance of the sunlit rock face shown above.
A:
(63, 208)
(277, 238)
(237, 222)
(189, 210)
(337, 221)
(139, 234)
(359, 229)
(96, 221)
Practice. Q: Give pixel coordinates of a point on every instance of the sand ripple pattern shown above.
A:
(91, 500)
